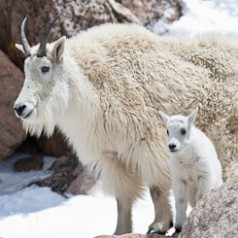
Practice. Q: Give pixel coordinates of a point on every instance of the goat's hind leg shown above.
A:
(163, 214)
(203, 187)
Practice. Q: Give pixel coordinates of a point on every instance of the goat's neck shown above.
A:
(79, 119)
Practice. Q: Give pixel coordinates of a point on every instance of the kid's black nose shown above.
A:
(172, 146)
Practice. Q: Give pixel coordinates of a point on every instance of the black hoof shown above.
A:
(178, 229)
(153, 231)
(171, 224)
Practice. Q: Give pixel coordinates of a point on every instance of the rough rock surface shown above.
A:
(150, 11)
(66, 169)
(12, 134)
(215, 215)
(11, 15)
(84, 183)
(76, 15)
(55, 145)
(35, 162)
(136, 236)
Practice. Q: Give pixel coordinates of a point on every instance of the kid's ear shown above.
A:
(20, 47)
(164, 116)
(192, 116)
(58, 50)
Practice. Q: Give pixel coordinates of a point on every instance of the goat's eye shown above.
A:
(45, 69)
(183, 131)
(167, 132)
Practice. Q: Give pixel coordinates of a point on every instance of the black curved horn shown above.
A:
(24, 41)
(44, 38)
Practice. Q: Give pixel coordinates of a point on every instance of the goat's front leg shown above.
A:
(124, 222)
(126, 186)
(180, 195)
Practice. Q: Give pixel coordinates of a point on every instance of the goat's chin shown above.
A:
(35, 125)
(32, 117)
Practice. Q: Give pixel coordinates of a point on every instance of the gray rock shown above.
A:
(55, 146)
(136, 236)
(215, 215)
(12, 134)
(149, 12)
(76, 15)
(68, 176)
(35, 162)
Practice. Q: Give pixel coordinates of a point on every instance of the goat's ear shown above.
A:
(164, 116)
(20, 47)
(58, 50)
(192, 116)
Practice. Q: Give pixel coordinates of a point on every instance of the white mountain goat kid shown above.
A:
(195, 168)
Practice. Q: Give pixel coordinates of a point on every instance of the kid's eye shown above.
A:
(183, 131)
(45, 69)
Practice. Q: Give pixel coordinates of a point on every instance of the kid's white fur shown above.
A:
(195, 168)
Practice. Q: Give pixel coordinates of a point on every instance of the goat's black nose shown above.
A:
(172, 146)
(19, 108)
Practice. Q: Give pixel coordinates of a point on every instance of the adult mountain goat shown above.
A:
(104, 89)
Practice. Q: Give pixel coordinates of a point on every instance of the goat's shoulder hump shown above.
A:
(113, 34)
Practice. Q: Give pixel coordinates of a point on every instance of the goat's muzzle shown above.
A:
(24, 110)
(172, 147)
